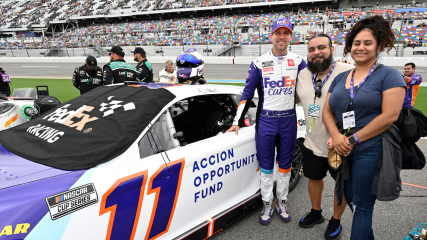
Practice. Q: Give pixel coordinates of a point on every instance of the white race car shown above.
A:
(132, 161)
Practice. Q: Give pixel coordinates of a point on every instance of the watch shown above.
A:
(352, 140)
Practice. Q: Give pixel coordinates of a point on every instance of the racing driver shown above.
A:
(274, 76)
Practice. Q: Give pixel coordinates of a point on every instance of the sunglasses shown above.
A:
(111, 53)
(318, 92)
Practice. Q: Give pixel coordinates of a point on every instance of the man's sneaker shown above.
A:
(283, 211)
(333, 230)
(311, 218)
(267, 211)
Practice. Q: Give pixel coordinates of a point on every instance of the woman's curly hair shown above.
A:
(381, 29)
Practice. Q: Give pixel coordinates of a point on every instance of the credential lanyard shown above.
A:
(352, 91)
(313, 79)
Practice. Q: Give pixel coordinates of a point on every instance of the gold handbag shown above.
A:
(334, 159)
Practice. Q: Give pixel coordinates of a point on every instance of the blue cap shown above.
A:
(282, 23)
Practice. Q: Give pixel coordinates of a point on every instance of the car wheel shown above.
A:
(296, 171)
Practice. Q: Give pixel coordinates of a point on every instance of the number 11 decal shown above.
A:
(124, 200)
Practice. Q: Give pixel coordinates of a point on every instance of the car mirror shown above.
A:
(178, 136)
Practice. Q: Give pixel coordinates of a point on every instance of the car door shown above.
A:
(219, 172)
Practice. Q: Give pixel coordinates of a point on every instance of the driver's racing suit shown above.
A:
(274, 77)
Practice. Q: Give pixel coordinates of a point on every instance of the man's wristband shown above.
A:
(357, 139)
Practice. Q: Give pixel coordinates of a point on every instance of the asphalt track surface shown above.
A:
(392, 220)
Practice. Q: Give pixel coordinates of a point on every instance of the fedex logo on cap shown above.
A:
(282, 22)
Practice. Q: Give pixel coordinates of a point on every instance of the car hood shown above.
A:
(15, 170)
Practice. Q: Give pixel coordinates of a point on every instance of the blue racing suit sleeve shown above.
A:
(252, 82)
(302, 65)
(416, 79)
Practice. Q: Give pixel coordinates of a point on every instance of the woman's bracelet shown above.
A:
(357, 139)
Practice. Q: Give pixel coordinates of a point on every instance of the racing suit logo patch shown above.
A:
(291, 63)
(268, 71)
(267, 64)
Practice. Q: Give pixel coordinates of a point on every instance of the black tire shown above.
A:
(296, 171)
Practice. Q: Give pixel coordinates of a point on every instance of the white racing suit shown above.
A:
(274, 77)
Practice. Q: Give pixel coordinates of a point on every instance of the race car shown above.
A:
(133, 161)
(24, 105)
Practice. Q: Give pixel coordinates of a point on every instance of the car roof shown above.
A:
(184, 90)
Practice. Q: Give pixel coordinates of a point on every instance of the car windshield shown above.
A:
(88, 130)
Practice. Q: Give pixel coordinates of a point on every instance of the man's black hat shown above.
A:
(138, 50)
(91, 62)
(117, 50)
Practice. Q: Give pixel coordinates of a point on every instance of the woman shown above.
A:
(366, 101)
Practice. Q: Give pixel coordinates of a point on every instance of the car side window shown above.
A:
(159, 137)
(201, 117)
(251, 114)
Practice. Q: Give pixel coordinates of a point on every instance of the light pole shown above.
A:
(260, 42)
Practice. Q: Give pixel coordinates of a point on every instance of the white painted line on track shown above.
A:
(40, 66)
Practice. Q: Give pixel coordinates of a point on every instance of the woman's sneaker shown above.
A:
(267, 211)
(283, 211)
(333, 230)
(311, 218)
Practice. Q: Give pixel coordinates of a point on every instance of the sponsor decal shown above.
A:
(48, 134)
(69, 117)
(19, 228)
(72, 200)
(284, 86)
(291, 63)
(267, 71)
(283, 22)
(247, 123)
(82, 72)
(223, 163)
(267, 64)
(10, 121)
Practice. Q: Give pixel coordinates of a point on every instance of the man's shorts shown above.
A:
(315, 167)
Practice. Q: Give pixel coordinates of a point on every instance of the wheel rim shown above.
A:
(296, 163)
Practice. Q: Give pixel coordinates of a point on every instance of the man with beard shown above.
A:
(144, 68)
(312, 89)
(274, 75)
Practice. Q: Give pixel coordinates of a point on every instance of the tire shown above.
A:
(297, 169)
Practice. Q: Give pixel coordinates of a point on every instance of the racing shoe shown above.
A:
(333, 230)
(267, 211)
(311, 218)
(283, 211)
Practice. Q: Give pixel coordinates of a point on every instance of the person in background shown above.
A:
(4, 83)
(87, 77)
(168, 75)
(144, 68)
(413, 82)
(118, 70)
(312, 89)
(360, 109)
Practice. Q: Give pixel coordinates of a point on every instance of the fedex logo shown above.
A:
(63, 116)
(284, 82)
(282, 22)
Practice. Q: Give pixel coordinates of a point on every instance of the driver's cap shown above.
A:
(282, 23)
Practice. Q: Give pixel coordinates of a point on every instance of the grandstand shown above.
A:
(166, 27)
